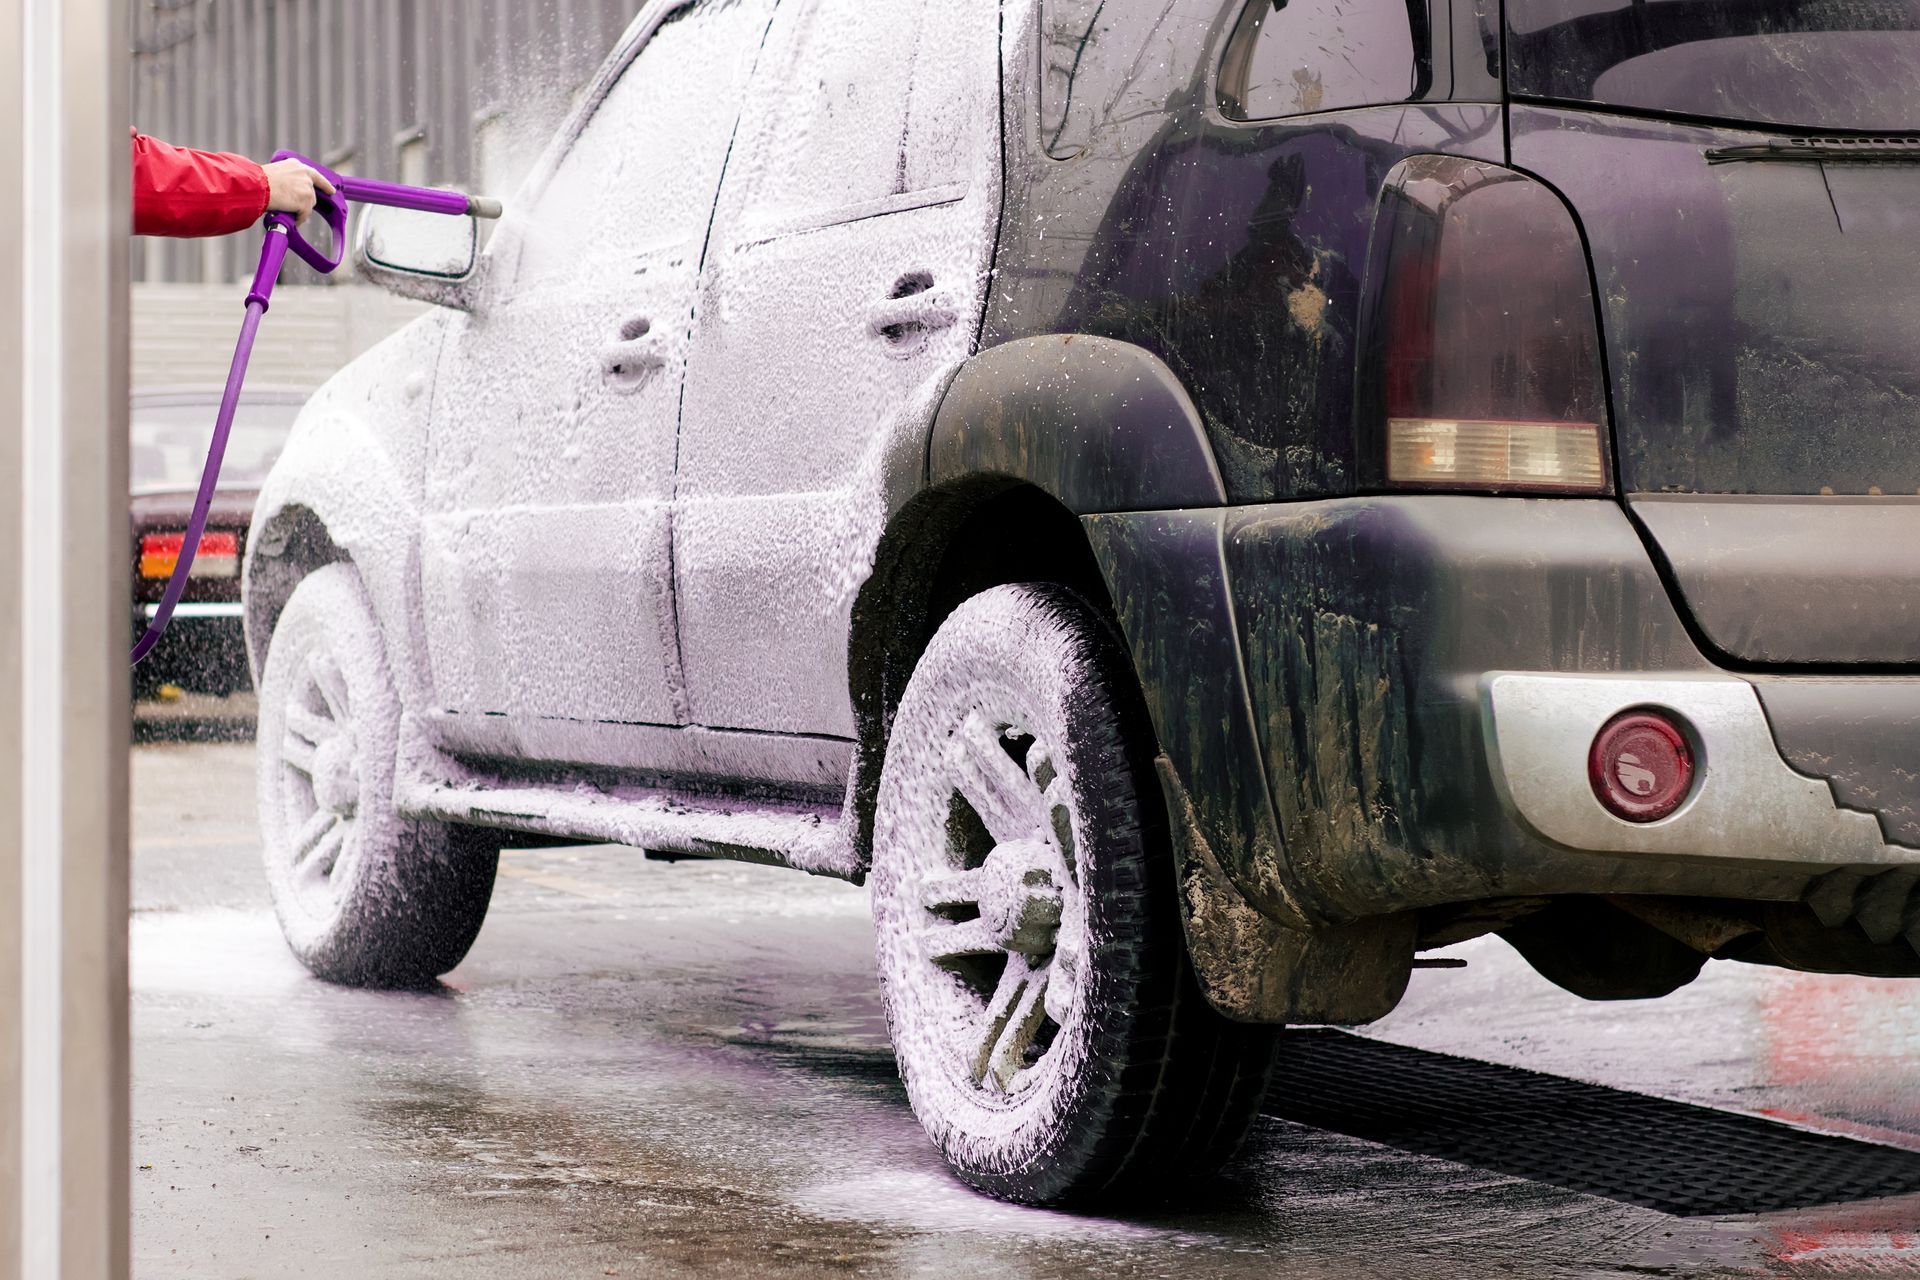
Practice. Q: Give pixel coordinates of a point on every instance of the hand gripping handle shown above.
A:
(331, 208)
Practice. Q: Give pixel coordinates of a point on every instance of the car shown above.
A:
(1196, 503)
(203, 649)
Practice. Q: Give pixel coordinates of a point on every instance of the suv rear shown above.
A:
(1200, 502)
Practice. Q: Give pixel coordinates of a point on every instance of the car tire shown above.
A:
(365, 896)
(1052, 1037)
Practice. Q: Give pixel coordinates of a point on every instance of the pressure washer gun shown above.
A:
(283, 235)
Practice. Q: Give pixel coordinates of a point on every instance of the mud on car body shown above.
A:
(1197, 501)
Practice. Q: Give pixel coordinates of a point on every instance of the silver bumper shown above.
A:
(1747, 803)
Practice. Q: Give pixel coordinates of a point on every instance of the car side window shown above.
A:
(1298, 57)
(642, 174)
(845, 85)
(1106, 63)
(1069, 28)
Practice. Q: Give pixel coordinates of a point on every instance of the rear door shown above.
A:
(546, 552)
(1756, 246)
(844, 286)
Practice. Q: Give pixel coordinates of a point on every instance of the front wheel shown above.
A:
(1052, 1037)
(364, 896)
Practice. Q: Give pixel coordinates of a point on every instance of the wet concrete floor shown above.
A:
(649, 1069)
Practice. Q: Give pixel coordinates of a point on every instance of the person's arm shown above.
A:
(179, 192)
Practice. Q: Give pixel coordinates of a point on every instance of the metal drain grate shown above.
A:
(1680, 1159)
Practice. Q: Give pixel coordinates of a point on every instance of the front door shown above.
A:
(546, 553)
(844, 285)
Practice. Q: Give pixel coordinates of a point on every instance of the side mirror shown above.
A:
(429, 257)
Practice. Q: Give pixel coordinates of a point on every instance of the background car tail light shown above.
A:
(1481, 368)
(1641, 766)
(219, 555)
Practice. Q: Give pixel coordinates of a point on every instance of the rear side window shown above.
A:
(1109, 62)
(859, 104)
(642, 173)
(1298, 57)
(1831, 64)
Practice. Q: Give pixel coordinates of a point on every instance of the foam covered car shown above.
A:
(1196, 502)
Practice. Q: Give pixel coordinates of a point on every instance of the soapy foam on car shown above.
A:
(779, 499)
(830, 550)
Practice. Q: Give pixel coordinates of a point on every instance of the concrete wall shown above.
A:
(65, 1163)
(183, 334)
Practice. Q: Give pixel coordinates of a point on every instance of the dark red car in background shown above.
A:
(203, 651)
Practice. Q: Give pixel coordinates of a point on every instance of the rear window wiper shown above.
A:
(1883, 150)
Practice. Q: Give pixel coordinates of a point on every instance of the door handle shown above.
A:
(626, 365)
(911, 314)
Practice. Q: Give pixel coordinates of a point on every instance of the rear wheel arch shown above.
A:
(947, 544)
(1100, 424)
(1029, 436)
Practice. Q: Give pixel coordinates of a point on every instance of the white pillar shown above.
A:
(64, 632)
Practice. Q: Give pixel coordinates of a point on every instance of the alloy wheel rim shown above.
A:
(320, 769)
(999, 915)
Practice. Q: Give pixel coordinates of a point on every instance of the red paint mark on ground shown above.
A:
(1871, 1252)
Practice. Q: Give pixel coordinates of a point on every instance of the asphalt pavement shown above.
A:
(680, 1069)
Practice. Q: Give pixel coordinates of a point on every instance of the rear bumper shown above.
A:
(1747, 803)
(188, 611)
(204, 648)
(1424, 675)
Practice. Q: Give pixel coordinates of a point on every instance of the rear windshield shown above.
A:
(170, 443)
(1815, 64)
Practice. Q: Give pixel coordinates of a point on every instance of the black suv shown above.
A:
(1197, 501)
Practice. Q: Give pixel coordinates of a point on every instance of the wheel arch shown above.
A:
(292, 543)
(1029, 436)
(947, 543)
(1101, 425)
(336, 495)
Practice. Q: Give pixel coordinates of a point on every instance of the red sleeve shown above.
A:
(177, 192)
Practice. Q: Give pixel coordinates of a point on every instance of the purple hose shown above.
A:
(282, 236)
(272, 254)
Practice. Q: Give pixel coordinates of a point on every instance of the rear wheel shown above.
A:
(1051, 1035)
(364, 895)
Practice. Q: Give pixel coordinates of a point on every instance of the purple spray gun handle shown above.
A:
(346, 190)
(283, 234)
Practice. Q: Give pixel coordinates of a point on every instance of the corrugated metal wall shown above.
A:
(462, 92)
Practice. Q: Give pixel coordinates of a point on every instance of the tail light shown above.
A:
(1481, 364)
(218, 557)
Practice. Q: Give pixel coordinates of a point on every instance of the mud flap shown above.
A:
(1253, 968)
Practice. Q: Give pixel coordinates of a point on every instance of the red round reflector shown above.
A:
(1641, 766)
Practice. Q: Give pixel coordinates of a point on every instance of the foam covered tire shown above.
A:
(1051, 1035)
(364, 896)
